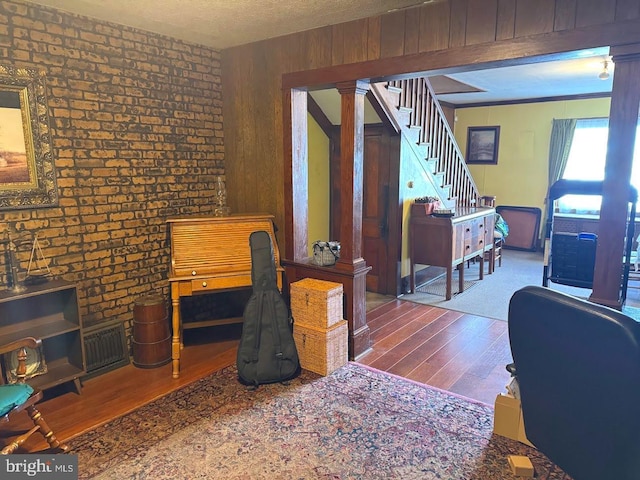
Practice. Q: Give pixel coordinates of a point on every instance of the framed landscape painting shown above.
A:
(482, 145)
(27, 174)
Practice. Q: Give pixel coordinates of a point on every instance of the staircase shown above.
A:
(411, 106)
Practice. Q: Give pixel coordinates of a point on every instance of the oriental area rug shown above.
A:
(357, 423)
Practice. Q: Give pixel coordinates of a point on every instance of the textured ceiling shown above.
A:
(560, 78)
(225, 23)
(545, 80)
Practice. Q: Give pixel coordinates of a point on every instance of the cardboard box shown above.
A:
(521, 466)
(522, 436)
(506, 418)
(508, 421)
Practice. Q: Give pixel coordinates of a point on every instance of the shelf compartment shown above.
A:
(34, 303)
(48, 312)
(58, 373)
(64, 357)
(43, 328)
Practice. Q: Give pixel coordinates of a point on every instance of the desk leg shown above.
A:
(412, 280)
(449, 278)
(460, 277)
(481, 275)
(412, 265)
(492, 259)
(176, 338)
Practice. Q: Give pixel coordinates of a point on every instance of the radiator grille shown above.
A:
(105, 349)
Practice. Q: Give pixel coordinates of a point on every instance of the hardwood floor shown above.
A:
(453, 351)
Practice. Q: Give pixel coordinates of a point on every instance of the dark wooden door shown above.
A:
(375, 208)
(379, 209)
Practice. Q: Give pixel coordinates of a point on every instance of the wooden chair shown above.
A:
(488, 201)
(494, 255)
(498, 240)
(20, 396)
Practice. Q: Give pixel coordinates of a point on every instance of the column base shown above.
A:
(355, 295)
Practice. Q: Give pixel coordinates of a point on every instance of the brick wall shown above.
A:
(136, 123)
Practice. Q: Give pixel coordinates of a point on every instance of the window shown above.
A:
(586, 162)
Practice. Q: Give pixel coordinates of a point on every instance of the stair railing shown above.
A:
(418, 96)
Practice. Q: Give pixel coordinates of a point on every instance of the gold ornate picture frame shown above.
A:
(27, 170)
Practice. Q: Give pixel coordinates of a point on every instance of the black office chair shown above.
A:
(578, 370)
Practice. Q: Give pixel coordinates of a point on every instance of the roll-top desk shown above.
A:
(450, 241)
(208, 255)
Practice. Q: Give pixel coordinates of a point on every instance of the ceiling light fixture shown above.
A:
(604, 74)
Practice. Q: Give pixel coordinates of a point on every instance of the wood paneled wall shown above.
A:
(440, 36)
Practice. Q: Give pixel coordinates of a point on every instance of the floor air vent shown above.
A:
(105, 348)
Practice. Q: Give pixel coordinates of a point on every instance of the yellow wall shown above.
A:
(520, 177)
(414, 183)
(318, 183)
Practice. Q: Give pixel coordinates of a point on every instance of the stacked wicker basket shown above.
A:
(320, 333)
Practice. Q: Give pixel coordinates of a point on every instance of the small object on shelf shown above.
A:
(444, 212)
(325, 253)
(221, 209)
(425, 205)
(427, 199)
(38, 270)
(12, 265)
(36, 279)
(36, 364)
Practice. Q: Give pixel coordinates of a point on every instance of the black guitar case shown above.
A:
(267, 351)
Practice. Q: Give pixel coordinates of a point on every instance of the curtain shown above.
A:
(559, 148)
(586, 161)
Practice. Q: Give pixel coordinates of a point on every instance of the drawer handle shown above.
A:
(481, 225)
(468, 247)
(193, 272)
(204, 284)
(481, 241)
(468, 230)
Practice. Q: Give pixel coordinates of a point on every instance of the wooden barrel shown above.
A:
(151, 336)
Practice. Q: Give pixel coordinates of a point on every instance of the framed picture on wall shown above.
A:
(482, 145)
(27, 171)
